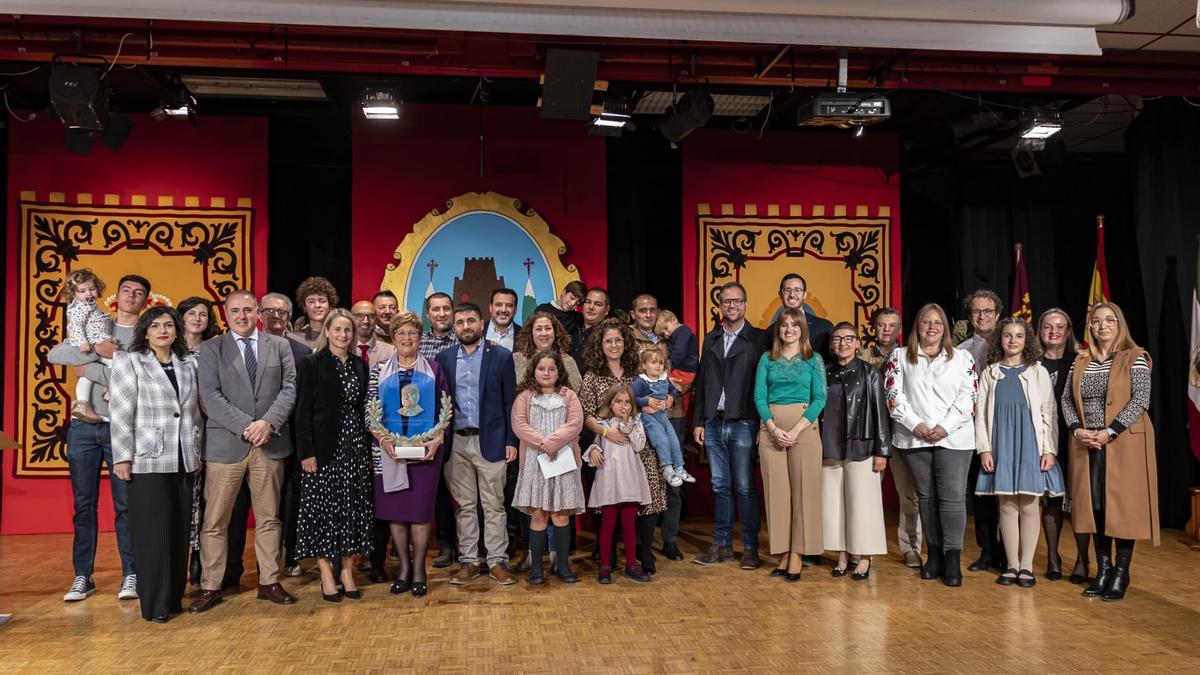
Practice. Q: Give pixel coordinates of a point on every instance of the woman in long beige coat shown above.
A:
(1114, 478)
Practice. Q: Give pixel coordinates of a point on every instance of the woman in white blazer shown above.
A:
(930, 389)
(156, 439)
(1016, 436)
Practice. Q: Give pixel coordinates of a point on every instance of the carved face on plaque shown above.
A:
(410, 399)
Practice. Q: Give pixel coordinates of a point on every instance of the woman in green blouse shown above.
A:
(789, 392)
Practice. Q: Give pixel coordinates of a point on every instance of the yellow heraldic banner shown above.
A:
(194, 250)
(846, 260)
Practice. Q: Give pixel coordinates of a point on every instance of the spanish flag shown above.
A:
(1020, 296)
(1099, 288)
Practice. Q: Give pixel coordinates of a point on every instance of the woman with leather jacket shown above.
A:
(856, 440)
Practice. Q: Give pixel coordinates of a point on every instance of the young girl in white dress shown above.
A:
(547, 418)
(620, 485)
(87, 325)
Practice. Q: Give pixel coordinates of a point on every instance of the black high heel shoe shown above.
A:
(779, 572)
(862, 576)
(1054, 573)
(336, 596)
(1077, 578)
(401, 585)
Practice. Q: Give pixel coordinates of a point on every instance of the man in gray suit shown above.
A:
(248, 386)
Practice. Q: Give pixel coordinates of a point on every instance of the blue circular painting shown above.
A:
(474, 253)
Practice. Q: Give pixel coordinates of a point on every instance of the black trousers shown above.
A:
(381, 534)
(289, 506)
(160, 517)
(443, 515)
(987, 517)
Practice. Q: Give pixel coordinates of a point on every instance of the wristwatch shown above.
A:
(1111, 434)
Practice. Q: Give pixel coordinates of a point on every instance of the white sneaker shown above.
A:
(81, 588)
(128, 588)
(292, 570)
(687, 477)
(673, 479)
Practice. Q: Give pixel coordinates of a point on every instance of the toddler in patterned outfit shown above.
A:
(87, 325)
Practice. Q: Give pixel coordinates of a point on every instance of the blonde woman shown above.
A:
(931, 396)
(1114, 477)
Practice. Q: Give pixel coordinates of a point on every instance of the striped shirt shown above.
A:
(1093, 389)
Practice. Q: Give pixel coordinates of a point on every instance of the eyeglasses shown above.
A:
(982, 312)
(407, 333)
(615, 341)
(1104, 321)
(365, 315)
(929, 323)
(733, 302)
(275, 313)
(843, 339)
(793, 291)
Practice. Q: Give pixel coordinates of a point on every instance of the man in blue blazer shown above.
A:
(483, 384)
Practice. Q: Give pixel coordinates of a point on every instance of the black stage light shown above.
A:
(691, 112)
(79, 96)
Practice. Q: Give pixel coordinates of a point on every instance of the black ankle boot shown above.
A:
(932, 569)
(1119, 582)
(562, 542)
(537, 546)
(952, 571)
(1103, 578)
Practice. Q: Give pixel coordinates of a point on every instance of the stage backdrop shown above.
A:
(824, 205)
(538, 220)
(183, 206)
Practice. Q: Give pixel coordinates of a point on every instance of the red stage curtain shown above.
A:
(169, 170)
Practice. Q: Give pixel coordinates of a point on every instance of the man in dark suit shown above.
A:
(483, 385)
(725, 422)
(248, 386)
(793, 290)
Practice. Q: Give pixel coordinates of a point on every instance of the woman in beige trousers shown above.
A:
(856, 439)
(789, 392)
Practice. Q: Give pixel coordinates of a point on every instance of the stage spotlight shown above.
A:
(691, 112)
(380, 104)
(1043, 124)
(613, 119)
(177, 102)
(79, 96)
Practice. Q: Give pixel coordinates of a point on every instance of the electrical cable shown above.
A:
(117, 56)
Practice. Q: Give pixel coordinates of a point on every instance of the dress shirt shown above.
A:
(652, 337)
(504, 339)
(253, 338)
(466, 387)
(727, 340)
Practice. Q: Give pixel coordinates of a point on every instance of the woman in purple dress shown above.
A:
(405, 407)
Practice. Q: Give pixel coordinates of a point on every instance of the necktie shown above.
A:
(363, 349)
(251, 361)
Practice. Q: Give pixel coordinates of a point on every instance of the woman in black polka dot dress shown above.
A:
(336, 514)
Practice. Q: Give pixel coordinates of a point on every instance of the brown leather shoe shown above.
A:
(465, 575)
(714, 554)
(501, 574)
(205, 601)
(275, 594)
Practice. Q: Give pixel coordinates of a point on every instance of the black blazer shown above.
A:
(319, 403)
(733, 372)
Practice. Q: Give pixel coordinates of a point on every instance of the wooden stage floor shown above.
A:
(689, 619)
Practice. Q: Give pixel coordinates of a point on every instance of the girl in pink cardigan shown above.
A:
(547, 418)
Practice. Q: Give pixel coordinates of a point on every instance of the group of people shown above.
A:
(354, 430)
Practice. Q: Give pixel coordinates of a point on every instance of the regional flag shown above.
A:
(1194, 364)
(1098, 292)
(1020, 296)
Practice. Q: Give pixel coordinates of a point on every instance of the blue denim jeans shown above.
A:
(87, 446)
(730, 446)
(662, 436)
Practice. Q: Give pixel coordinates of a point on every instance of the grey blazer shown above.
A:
(232, 405)
(150, 423)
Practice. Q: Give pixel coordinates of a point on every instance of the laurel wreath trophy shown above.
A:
(375, 412)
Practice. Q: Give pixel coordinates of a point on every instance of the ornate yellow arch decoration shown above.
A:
(397, 275)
